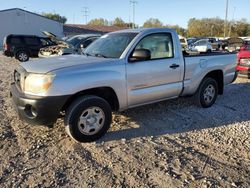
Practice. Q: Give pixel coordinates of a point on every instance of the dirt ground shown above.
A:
(168, 144)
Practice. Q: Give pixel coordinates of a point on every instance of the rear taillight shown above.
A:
(5, 46)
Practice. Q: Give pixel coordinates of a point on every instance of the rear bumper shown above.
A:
(37, 110)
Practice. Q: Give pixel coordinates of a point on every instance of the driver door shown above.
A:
(158, 78)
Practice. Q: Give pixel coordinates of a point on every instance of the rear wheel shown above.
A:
(88, 118)
(22, 56)
(207, 93)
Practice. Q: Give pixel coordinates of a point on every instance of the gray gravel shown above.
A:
(168, 144)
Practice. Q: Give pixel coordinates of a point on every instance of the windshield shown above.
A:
(74, 40)
(110, 45)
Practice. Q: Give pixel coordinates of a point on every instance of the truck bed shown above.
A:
(198, 65)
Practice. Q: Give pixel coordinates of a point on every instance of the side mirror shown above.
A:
(140, 55)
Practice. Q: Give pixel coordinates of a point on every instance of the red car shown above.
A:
(243, 67)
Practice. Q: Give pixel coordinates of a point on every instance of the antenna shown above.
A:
(85, 12)
(133, 2)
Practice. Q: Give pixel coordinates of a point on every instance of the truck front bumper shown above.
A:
(37, 110)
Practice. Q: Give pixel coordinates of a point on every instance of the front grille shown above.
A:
(244, 72)
(245, 62)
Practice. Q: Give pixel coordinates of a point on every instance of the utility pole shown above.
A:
(133, 2)
(85, 12)
(231, 23)
(225, 24)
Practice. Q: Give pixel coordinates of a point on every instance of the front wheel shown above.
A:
(207, 93)
(88, 118)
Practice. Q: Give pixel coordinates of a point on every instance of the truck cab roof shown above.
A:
(145, 30)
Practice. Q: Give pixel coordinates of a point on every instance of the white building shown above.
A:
(18, 21)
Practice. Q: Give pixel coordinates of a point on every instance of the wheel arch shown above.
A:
(20, 50)
(218, 76)
(107, 93)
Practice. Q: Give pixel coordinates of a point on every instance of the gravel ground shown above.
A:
(168, 144)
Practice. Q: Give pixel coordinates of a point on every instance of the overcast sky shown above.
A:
(168, 11)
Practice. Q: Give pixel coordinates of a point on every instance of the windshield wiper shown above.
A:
(87, 54)
(100, 55)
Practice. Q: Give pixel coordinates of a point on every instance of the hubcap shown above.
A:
(23, 56)
(209, 94)
(91, 120)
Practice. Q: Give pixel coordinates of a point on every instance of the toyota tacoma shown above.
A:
(118, 71)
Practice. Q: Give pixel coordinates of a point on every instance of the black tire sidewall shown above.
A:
(76, 109)
(17, 55)
(205, 83)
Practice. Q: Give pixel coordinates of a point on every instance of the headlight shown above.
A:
(37, 83)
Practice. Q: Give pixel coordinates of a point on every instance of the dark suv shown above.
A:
(22, 47)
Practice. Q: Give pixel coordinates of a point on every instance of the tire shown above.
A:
(22, 56)
(88, 118)
(207, 93)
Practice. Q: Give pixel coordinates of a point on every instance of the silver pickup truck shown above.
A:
(120, 70)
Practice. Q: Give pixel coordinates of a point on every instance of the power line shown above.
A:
(133, 2)
(85, 12)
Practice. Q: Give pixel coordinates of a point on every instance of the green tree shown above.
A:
(242, 28)
(215, 27)
(98, 21)
(119, 22)
(152, 22)
(180, 30)
(55, 17)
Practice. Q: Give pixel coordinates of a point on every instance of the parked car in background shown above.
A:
(234, 44)
(22, 47)
(202, 45)
(243, 67)
(72, 45)
(192, 40)
(215, 42)
(184, 43)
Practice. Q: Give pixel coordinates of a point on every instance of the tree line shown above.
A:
(196, 27)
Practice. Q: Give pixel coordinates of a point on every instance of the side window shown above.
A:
(203, 43)
(197, 44)
(160, 45)
(31, 41)
(15, 40)
(86, 43)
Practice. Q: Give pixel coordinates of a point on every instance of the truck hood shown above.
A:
(54, 63)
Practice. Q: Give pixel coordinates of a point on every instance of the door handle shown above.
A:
(174, 66)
